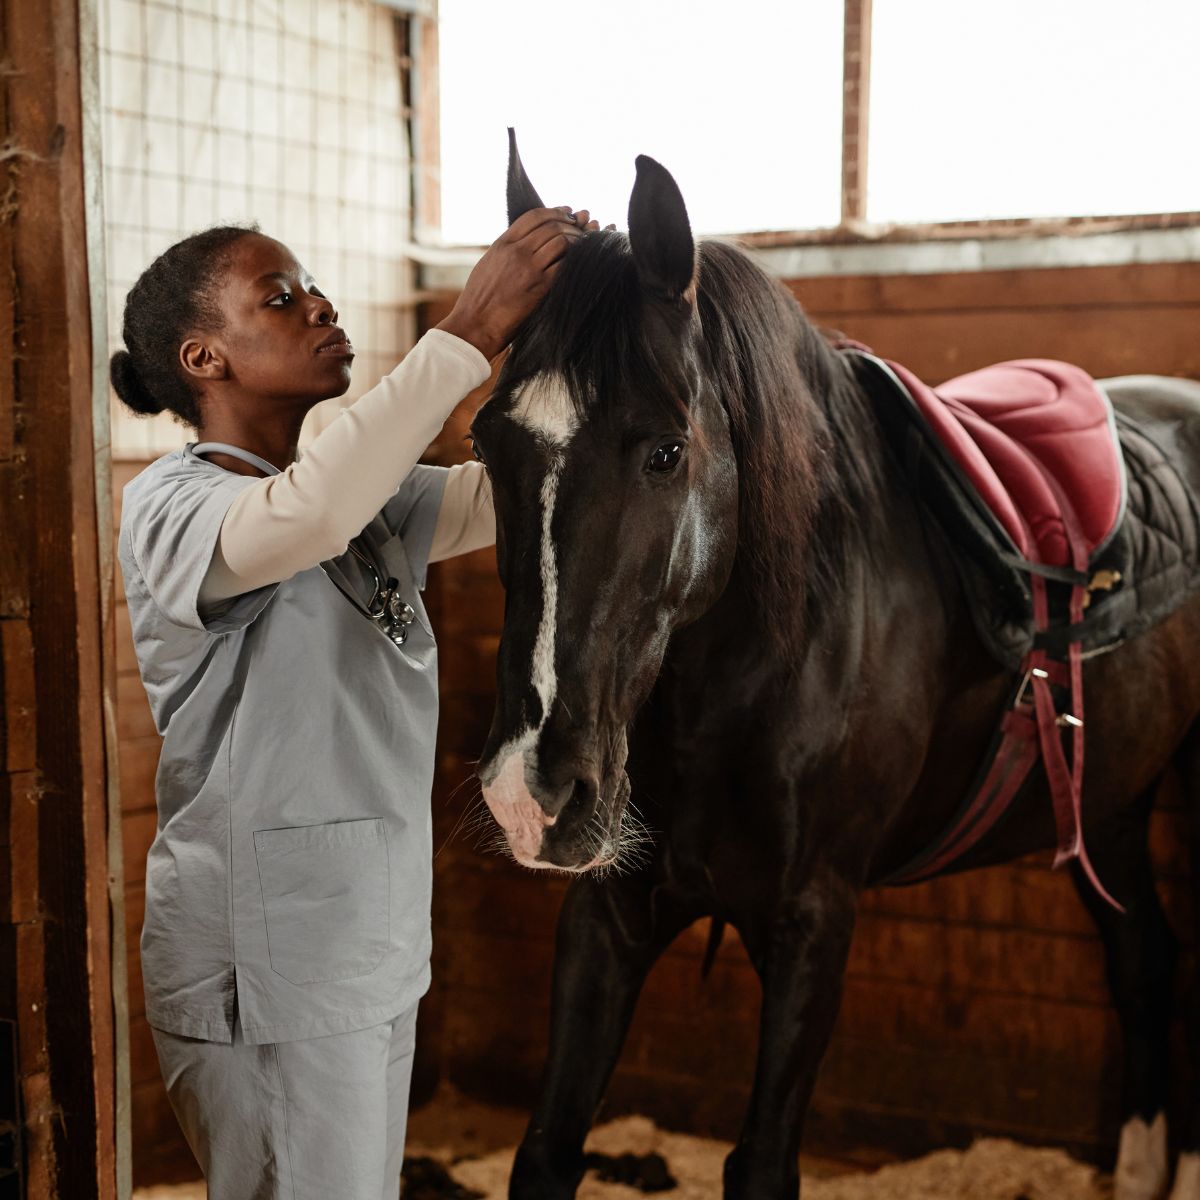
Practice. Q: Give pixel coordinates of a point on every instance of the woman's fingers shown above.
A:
(543, 235)
(526, 223)
(513, 275)
(553, 249)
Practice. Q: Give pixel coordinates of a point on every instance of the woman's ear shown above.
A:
(201, 360)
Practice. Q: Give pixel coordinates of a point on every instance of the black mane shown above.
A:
(795, 413)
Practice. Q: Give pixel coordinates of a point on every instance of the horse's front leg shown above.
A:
(609, 935)
(800, 953)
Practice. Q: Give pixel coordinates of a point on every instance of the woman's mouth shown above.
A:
(336, 345)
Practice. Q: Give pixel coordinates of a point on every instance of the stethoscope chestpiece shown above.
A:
(396, 615)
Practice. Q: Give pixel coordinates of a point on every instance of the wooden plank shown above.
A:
(22, 837)
(856, 108)
(153, 1123)
(139, 764)
(123, 632)
(14, 535)
(134, 719)
(138, 830)
(53, 391)
(936, 346)
(143, 1058)
(979, 293)
(20, 696)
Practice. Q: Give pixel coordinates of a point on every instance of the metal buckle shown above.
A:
(1062, 720)
(1027, 685)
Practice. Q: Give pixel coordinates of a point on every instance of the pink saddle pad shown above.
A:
(1036, 439)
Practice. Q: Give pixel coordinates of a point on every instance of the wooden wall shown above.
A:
(159, 1150)
(973, 1005)
(59, 1115)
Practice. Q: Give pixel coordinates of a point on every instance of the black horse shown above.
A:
(725, 607)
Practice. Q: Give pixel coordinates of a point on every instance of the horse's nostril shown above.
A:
(574, 798)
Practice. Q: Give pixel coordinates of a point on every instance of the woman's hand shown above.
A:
(513, 275)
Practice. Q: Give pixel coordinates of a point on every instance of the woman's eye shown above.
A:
(666, 457)
(280, 300)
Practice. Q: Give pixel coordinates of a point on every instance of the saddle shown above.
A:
(1071, 532)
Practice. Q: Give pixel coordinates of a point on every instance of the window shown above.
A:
(742, 103)
(970, 111)
(1033, 108)
(293, 117)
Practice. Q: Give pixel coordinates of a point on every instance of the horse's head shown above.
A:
(616, 495)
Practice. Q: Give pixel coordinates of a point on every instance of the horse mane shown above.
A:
(794, 411)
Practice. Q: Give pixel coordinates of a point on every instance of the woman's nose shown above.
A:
(323, 312)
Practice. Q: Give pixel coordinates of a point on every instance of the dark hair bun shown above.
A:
(127, 383)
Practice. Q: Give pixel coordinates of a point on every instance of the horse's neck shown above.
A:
(865, 554)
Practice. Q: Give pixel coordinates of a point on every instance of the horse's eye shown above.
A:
(666, 457)
(475, 450)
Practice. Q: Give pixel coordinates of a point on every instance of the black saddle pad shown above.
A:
(1152, 562)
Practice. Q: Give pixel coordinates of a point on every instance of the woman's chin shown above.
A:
(336, 378)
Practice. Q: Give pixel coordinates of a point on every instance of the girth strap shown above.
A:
(1032, 727)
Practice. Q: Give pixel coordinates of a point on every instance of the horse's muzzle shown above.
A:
(547, 827)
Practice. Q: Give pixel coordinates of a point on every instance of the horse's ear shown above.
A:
(659, 232)
(522, 196)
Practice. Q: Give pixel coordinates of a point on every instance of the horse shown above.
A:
(728, 622)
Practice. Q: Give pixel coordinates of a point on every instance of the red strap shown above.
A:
(1065, 779)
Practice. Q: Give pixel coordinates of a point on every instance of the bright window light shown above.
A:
(740, 102)
(1033, 108)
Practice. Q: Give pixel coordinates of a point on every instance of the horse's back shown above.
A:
(1168, 411)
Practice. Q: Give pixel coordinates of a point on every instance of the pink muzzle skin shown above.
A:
(517, 812)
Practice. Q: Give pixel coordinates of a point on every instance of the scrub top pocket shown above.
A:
(325, 891)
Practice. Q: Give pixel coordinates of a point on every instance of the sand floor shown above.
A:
(476, 1143)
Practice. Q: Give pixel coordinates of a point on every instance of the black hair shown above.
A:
(174, 295)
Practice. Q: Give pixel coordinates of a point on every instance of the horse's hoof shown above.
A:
(1187, 1177)
(1142, 1172)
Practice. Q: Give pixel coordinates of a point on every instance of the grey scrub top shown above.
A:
(290, 874)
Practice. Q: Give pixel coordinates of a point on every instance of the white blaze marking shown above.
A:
(544, 407)
(544, 678)
(1187, 1177)
(1141, 1172)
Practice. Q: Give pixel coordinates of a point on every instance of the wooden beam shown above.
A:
(856, 97)
(52, 610)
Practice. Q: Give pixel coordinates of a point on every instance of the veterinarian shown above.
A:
(292, 672)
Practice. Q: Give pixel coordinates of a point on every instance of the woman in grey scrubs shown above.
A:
(292, 672)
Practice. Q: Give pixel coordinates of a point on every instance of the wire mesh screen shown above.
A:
(291, 113)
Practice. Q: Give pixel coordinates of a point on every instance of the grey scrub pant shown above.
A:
(306, 1120)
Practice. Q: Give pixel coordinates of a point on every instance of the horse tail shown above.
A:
(716, 931)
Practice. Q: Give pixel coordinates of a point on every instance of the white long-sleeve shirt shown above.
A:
(308, 513)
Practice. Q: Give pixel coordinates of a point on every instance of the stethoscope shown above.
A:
(390, 612)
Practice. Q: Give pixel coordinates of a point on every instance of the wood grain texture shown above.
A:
(53, 602)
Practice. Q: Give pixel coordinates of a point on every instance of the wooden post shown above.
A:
(425, 124)
(856, 95)
(54, 623)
